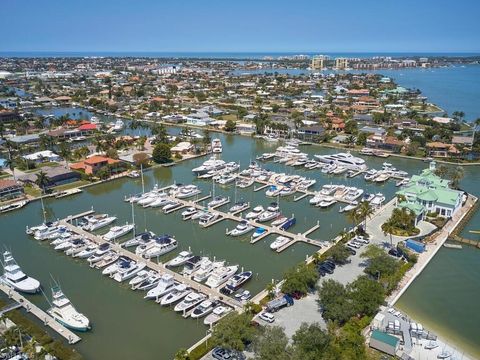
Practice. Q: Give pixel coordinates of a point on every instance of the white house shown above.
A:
(42, 156)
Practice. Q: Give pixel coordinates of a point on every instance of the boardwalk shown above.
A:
(160, 267)
(70, 336)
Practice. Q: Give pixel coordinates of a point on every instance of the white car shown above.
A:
(353, 244)
(266, 316)
(361, 239)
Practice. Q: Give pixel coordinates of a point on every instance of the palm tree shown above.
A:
(353, 217)
(366, 211)
(456, 176)
(350, 141)
(42, 180)
(270, 288)
(388, 228)
(10, 163)
(65, 152)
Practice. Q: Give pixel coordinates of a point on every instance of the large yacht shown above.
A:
(65, 313)
(221, 275)
(210, 164)
(345, 160)
(164, 286)
(161, 245)
(216, 146)
(191, 300)
(178, 293)
(95, 222)
(118, 231)
(14, 277)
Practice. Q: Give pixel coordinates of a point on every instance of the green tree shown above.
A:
(161, 154)
(366, 294)
(233, 331)
(300, 278)
(181, 354)
(230, 126)
(339, 253)
(42, 180)
(334, 302)
(271, 344)
(456, 176)
(441, 171)
(65, 152)
(310, 342)
(351, 127)
(365, 211)
(362, 139)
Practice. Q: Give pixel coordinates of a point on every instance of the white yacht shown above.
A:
(239, 206)
(234, 283)
(99, 254)
(273, 191)
(113, 267)
(188, 213)
(128, 270)
(255, 213)
(378, 199)
(107, 259)
(139, 239)
(268, 215)
(206, 269)
(279, 242)
(191, 300)
(137, 279)
(164, 286)
(226, 179)
(188, 191)
(118, 231)
(162, 245)
(216, 314)
(178, 293)
(221, 275)
(346, 160)
(216, 146)
(65, 313)
(180, 259)
(160, 201)
(208, 218)
(192, 265)
(14, 277)
(242, 228)
(203, 309)
(217, 200)
(327, 202)
(210, 164)
(150, 282)
(87, 251)
(353, 194)
(370, 175)
(95, 222)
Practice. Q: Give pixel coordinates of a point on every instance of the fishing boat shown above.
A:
(65, 313)
(14, 277)
(177, 294)
(241, 229)
(221, 275)
(164, 286)
(180, 259)
(118, 231)
(279, 242)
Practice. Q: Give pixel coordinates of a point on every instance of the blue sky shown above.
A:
(260, 26)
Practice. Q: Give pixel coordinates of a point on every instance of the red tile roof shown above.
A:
(86, 127)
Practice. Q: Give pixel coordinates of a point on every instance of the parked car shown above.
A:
(352, 251)
(395, 252)
(326, 269)
(353, 244)
(361, 239)
(226, 354)
(266, 316)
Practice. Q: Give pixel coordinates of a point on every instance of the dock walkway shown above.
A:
(45, 318)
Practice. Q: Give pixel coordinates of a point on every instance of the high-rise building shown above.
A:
(318, 62)
(341, 63)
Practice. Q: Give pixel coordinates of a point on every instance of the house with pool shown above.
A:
(427, 193)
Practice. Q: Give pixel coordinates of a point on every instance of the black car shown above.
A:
(395, 252)
(328, 264)
(326, 268)
(352, 251)
(226, 354)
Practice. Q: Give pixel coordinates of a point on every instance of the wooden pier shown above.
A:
(45, 318)
(159, 267)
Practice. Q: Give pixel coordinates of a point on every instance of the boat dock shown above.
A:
(159, 267)
(45, 318)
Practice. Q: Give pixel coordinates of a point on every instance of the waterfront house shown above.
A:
(183, 147)
(42, 156)
(310, 132)
(8, 116)
(199, 119)
(10, 189)
(92, 164)
(440, 149)
(428, 192)
(57, 175)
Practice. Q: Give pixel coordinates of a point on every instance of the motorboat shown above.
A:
(118, 231)
(161, 246)
(137, 279)
(353, 194)
(245, 295)
(273, 191)
(265, 157)
(188, 191)
(190, 301)
(139, 239)
(117, 126)
(287, 191)
(160, 201)
(206, 269)
(370, 175)
(402, 182)
(217, 313)
(288, 224)
(97, 222)
(203, 309)
(326, 203)
(260, 231)
(99, 254)
(76, 247)
(113, 267)
(188, 213)
(339, 170)
(244, 183)
(171, 206)
(216, 146)
(431, 345)
(150, 282)
(328, 190)
(241, 229)
(234, 283)
(106, 260)
(199, 214)
(345, 160)
(149, 199)
(210, 164)
(46, 232)
(329, 168)
(65, 313)
(268, 215)
(255, 213)
(67, 244)
(208, 218)
(444, 355)
(217, 200)
(87, 251)
(33, 229)
(349, 207)
(177, 294)
(279, 242)
(378, 199)
(221, 275)
(192, 265)
(13, 206)
(382, 176)
(127, 270)
(239, 206)
(226, 179)
(14, 277)
(180, 259)
(164, 286)
(279, 221)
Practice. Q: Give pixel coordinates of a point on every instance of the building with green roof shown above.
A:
(384, 342)
(428, 192)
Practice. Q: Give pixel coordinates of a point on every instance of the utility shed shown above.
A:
(384, 342)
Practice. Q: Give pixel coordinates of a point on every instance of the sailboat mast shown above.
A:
(133, 221)
(143, 182)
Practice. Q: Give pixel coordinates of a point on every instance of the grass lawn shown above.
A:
(32, 191)
(229, 117)
(72, 185)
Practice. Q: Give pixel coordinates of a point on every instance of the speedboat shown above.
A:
(164, 286)
(268, 215)
(255, 213)
(65, 313)
(221, 275)
(98, 222)
(208, 218)
(162, 245)
(279, 221)
(238, 206)
(260, 231)
(117, 231)
(273, 207)
(273, 191)
(217, 200)
(203, 309)
(107, 259)
(160, 201)
(99, 254)
(326, 203)
(178, 293)
(180, 259)
(188, 213)
(244, 183)
(216, 314)
(382, 176)
(14, 277)
(279, 242)
(171, 206)
(191, 300)
(127, 270)
(234, 283)
(242, 228)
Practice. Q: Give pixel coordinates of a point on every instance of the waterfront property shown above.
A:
(93, 164)
(428, 192)
(10, 189)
